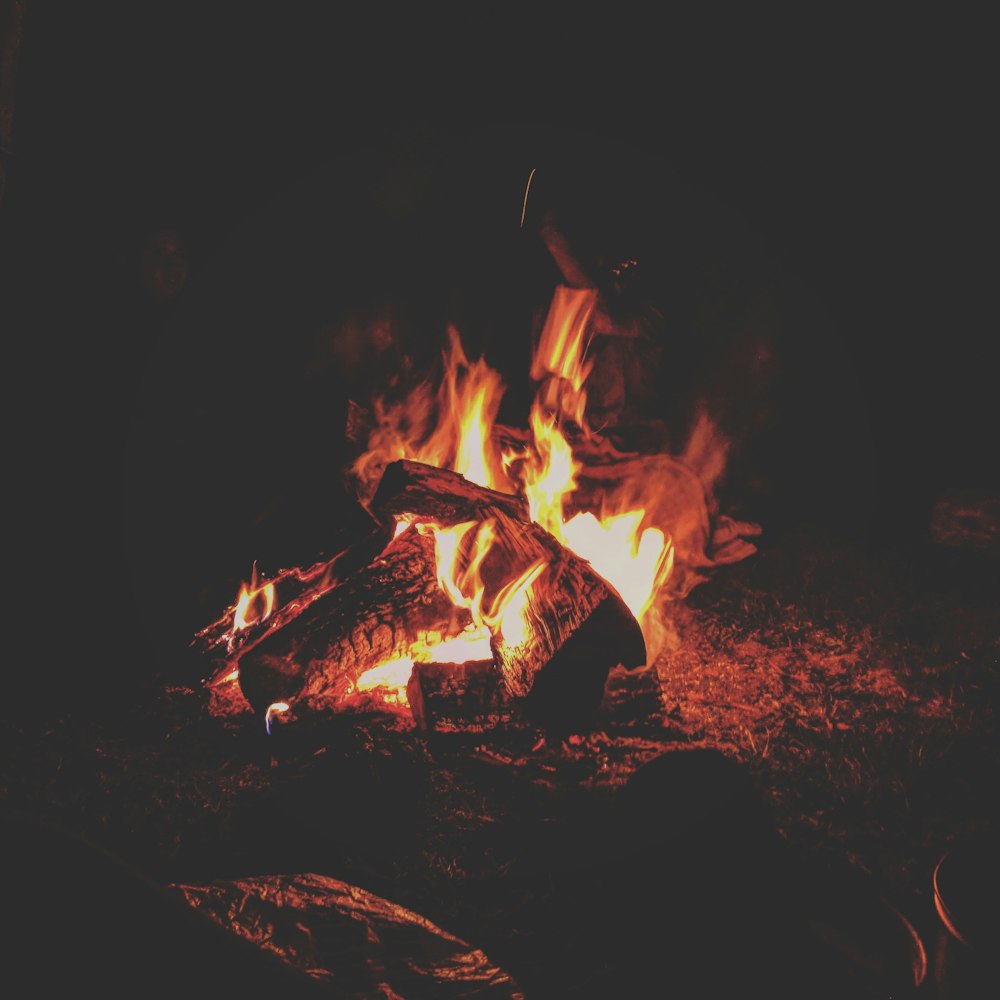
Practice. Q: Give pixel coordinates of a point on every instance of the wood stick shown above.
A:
(577, 627)
(409, 487)
(457, 695)
(371, 617)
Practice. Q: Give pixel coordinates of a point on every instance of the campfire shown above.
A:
(506, 570)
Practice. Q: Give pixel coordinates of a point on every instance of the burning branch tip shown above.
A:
(524, 207)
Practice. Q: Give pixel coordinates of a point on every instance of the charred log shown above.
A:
(372, 616)
(575, 625)
(295, 589)
(457, 695)
(415, 488)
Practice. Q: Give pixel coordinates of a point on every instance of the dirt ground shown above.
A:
(856, 688)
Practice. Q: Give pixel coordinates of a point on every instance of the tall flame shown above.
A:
(465, 410)
(621, 542)
(549, 472)
(559, 363)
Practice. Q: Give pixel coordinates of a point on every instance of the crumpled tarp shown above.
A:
(361, 944)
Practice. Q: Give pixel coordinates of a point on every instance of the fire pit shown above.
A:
(486, 545)
(435, 710)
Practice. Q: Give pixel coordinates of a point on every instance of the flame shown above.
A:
(453, 427)
(549, 472)
(511, 621)
(636, 563)
(559, 358)
(468, 401)
(391, 676)
(622, 542)
(465, 586)
(460, 552)
(465, 410)
(253, 603)
(277, 708)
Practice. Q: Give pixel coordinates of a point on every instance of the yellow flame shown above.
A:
(635, 563)
(468, 400)
(511, 621)
(623, 542)
(549, 472)
(253, 603)
(559, 358)
(459, 576)
(391, 677)
(465, 586)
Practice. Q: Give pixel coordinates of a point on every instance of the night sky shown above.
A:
(847, 163)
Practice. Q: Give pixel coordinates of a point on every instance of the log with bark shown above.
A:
(457, 695)
(296, 588)
(444, 496)
(577, 626)
(372, 616)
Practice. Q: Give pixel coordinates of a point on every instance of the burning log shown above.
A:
(457, 695)
(555, 649)
(444, 496)
(372, 616)
(574, 627)
(571, 600)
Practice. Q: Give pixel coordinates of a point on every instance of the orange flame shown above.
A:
(253, 604)
(390, 678)
(549, 472)
(459, 576)
(465, 410)
(621, 541)
(559, 358)
(636, 563)
(465, 587)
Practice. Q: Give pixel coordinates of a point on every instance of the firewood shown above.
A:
(356, 539)
(439, 494)
(577, 627)
(457, 695)
(372, 616)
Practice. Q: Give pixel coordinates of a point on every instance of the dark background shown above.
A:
(847, 165)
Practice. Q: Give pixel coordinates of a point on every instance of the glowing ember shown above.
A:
(391, 677)
(473, 644)
(272, 710)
